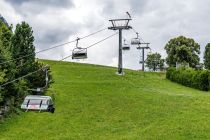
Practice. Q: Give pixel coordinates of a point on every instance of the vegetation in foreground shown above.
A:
(17, 59)
(198, 79)
(92, 102)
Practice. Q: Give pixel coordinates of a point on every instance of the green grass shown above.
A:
(92, 102)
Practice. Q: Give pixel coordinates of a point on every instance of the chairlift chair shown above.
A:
(38, 103)
(140, 62)
(125, 46)
(136, 41)
(78, 52)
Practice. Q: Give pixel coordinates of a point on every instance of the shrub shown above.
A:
(198, 79)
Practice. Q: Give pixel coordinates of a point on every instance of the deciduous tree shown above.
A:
(182, 50)
(155, 62)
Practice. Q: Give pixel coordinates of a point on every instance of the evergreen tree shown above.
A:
(22, 45)
(207, 56)
(155, 62)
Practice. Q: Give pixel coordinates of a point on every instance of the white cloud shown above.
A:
(157, 21)
(9, 13)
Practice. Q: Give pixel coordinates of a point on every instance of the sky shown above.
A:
(58, 21)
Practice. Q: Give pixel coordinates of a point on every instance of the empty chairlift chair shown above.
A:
(136, 41)
(125, 46)
(78, 52)
(38, 103)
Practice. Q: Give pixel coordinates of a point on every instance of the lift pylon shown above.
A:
(142, 61)
(120, 24)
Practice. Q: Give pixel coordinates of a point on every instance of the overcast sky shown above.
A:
(157, 21)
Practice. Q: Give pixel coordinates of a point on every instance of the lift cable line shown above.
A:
(54, 63)
(69, 42)
(93, 44)
(93, 33)
(137, 41)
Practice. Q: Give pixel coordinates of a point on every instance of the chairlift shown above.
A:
(126, 46)
(38, 103)
(42, 89)
(78, 52)
(141, 62)
(136, 41)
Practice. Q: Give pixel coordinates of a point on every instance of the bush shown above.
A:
(198, 79)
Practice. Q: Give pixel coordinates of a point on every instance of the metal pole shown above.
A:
(120, 71)
(142, 59)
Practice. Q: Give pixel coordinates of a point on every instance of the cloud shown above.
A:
(157, 21)
(34, 7)
(55, 3)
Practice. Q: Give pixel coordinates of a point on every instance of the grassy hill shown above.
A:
(92, 102)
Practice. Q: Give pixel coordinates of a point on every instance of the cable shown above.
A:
(20, 77)
(55, 62)
(91, 45)
(93, 33)
(25, 56)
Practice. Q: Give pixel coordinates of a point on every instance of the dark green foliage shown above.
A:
(13, 46)
(21, 92)
(182, 50)
(207, 56)
(198, 79)
(154, 62)
(8, 69)
(22, 45)
(39, 79)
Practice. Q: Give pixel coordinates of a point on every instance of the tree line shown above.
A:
(180, 50)
(184, 63)
(17, 58)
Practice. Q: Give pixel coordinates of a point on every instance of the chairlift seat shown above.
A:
(79, 53)
(38, 103)
(135, 41)
(126, 47)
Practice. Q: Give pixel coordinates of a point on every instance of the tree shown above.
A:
(154, 62)
(12, 46)
(22, 45)
(207, 56)
(8, 69)
(182, 50)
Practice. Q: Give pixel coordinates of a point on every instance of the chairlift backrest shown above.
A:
(38, 103)
(126, 48)
(36, 99)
